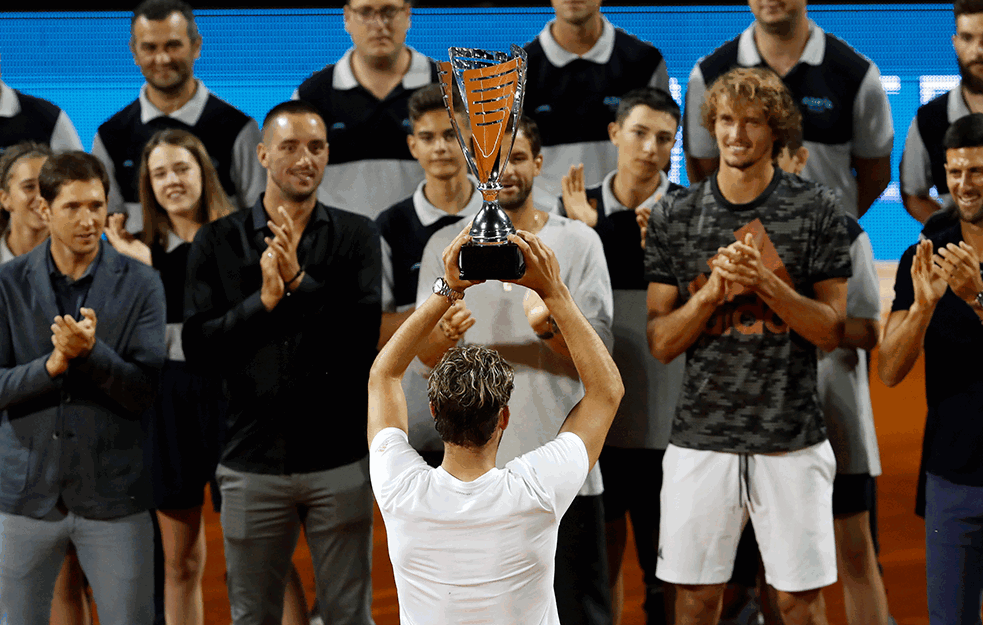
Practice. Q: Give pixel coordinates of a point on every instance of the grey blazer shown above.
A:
(78, 436)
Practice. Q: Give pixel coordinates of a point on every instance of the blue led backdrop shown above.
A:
(256, 58)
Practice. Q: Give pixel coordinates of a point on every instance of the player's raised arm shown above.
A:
(603, 389)
(387, 403)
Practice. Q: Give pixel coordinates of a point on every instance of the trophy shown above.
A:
(492, 85)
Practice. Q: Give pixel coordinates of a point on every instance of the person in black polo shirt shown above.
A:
(282, 301)
(581, 47)
(644, 133)
(923, 161)
(937, 308)
(165, 44)
(363, 99)
(846, 117)
(26, 118)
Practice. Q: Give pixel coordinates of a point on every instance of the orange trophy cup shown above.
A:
(492, 85)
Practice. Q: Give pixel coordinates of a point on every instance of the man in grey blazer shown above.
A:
(81, 346)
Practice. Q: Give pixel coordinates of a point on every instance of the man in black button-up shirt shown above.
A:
(284, 302)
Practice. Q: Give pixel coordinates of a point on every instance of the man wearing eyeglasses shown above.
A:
(363, 99)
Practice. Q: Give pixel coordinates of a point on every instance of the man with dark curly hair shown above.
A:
(469, 541)
(747, 274)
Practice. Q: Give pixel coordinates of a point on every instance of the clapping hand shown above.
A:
(575, 197)
(927, 280)
(642, 215)
(72, 338)
(284, 247)
(740, 262)
(959, 266)
(273, 286)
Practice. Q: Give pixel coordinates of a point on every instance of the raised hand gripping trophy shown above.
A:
(492, 86)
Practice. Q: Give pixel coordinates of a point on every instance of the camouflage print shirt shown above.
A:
(750, 382)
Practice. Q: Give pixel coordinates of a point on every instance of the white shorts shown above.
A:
(707, 497)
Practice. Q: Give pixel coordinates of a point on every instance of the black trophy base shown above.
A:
(491, 262)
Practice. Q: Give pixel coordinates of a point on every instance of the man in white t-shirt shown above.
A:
(469, 540)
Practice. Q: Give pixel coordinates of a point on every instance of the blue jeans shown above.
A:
(116, 555)
(262, 516)
(954, 551)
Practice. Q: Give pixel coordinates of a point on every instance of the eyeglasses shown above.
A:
(386, 14)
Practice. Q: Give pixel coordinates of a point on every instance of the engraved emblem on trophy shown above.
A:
(492, 86)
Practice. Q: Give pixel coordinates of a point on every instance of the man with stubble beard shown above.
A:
(165, 44)
(938, 307)
(923, 161)
(514, 321)
(282, 301)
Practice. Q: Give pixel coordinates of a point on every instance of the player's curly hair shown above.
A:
(760, 86)
(468, 389)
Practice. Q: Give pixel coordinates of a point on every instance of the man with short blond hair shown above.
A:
(747, 275)
(846, 116)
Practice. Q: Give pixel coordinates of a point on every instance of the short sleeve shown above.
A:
(660, 77)
(388, 299)
(904, 290)
(591, 289)
(391, 463)
(697, 141)
(863, 299)
(873, 128)
(916, 166)
(658, 265)
(831, 246)
(559, 468)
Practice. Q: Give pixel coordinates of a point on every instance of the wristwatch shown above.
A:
(979, 299)
(440, 287)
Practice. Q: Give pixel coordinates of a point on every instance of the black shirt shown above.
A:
(953, 377)
(296, 377)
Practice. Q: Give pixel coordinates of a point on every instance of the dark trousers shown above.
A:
(583, 593)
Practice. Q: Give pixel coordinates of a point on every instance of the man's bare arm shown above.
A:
(671, 330)
(390, 323)
(860, 333)
(387, 403)
(873, 176)
(591, 418)
(904, 334)
(919, 206)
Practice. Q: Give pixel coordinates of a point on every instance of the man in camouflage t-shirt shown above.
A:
(747, 275)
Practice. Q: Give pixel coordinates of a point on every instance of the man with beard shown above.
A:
(923, 161)
(514, 321)
(581, 47)
(747, 275)
(165, 44)
(846, 117)
(275, 295)
(938, 304)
